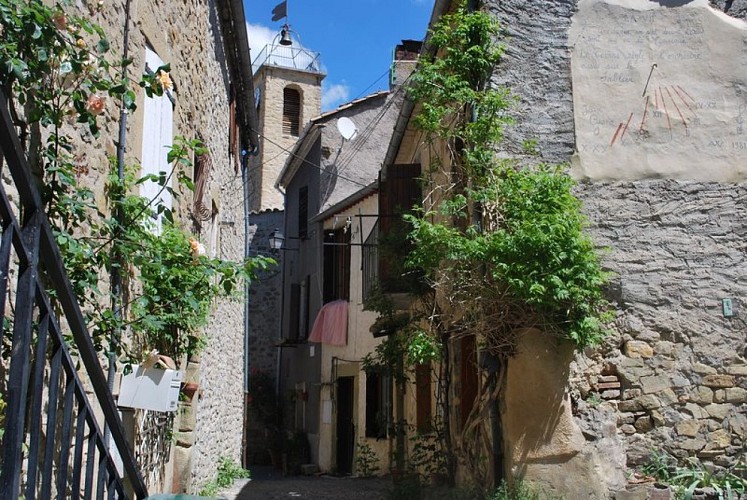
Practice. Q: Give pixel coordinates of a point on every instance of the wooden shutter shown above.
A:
(291, 112)
(337, 265)
(423, 397)
(295, 311)
(468, 377)
(233, 132)
(303, 212)
(158, 117)
(397, 195)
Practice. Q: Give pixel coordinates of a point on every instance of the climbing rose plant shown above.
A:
(59, 77)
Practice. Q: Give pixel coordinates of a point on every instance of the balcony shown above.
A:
(298, 58)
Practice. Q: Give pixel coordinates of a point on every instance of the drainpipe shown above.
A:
(244, 175)
(116, 277)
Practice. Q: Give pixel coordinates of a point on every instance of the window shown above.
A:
(233, 132)
(468, 377)
(158, 114)
(397, 195)
(423, 397)
(202, 210)
(299, 311)
(303, 212)
(336, 265)
(378, 404)
(370, 264)
(291, 112)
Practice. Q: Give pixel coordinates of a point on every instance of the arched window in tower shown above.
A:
(291, 111)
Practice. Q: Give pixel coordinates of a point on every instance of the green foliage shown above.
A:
(729, 483)
(521, 490)
(2, 416)
(406, 487)
(503, 243)
(427, 456)
(228, 472)
(56, 70)
(366, 461)
(660, 465)
(594, 399)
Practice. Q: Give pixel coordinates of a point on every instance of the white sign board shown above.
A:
(150, 389)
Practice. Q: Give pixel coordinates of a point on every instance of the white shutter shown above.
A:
(158, 115)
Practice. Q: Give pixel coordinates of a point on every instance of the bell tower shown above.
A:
(288, 82)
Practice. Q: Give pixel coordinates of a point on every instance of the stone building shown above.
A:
(330, 182)
(288, 82)
(644, 101)
(206, 45)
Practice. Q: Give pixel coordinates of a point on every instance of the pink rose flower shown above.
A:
(96, 104)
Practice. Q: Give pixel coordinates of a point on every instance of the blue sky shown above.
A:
(355, 38)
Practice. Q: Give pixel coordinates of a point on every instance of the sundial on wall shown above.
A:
(658, 92)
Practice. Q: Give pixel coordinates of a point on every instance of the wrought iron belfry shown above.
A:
(53, 444)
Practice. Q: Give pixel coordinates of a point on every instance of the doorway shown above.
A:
(345, 425)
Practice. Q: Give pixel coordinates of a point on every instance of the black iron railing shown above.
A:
(53, 445)
(370, 261)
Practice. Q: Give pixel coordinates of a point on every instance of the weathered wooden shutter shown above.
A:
(303, 212)
(397, 195)
(423, 397)
(291, 112)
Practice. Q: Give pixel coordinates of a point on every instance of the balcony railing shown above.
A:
(53, 443)
(288, 57)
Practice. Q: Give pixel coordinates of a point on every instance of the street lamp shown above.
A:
(276, 240)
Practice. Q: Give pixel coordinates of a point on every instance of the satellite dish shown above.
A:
(347, 128)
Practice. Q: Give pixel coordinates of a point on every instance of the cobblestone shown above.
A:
(268, 484)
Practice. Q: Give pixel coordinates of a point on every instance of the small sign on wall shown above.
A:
(150, 389)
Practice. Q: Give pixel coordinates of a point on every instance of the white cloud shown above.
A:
(335, 94)
(259, 36)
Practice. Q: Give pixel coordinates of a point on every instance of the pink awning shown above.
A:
(331, 324)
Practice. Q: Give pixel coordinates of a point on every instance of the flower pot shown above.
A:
(188, 389)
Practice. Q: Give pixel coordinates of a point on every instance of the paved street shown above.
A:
(268, 484)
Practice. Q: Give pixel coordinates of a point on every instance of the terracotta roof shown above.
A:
(350, 104)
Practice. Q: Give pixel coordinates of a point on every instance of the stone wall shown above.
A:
(187, 35)
(672, 375)
(270, 82)
(265, 297)
(677, 249)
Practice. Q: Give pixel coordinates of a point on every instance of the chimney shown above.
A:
(404, 60)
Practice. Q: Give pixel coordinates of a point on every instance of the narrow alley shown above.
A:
(269, 484)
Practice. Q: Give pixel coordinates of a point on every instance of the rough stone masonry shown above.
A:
(645, 101)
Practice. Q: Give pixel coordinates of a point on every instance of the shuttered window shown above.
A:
(336, 265)
(423, 397)
(303, 212)
(291, 112)
(397, 195)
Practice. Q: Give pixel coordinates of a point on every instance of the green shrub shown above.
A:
(228, 472)
(521, 490)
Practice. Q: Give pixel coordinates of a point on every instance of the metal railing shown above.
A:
(370, 261)
(53, 445)
(287, 57)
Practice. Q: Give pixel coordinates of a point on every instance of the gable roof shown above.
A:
(347, 165)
